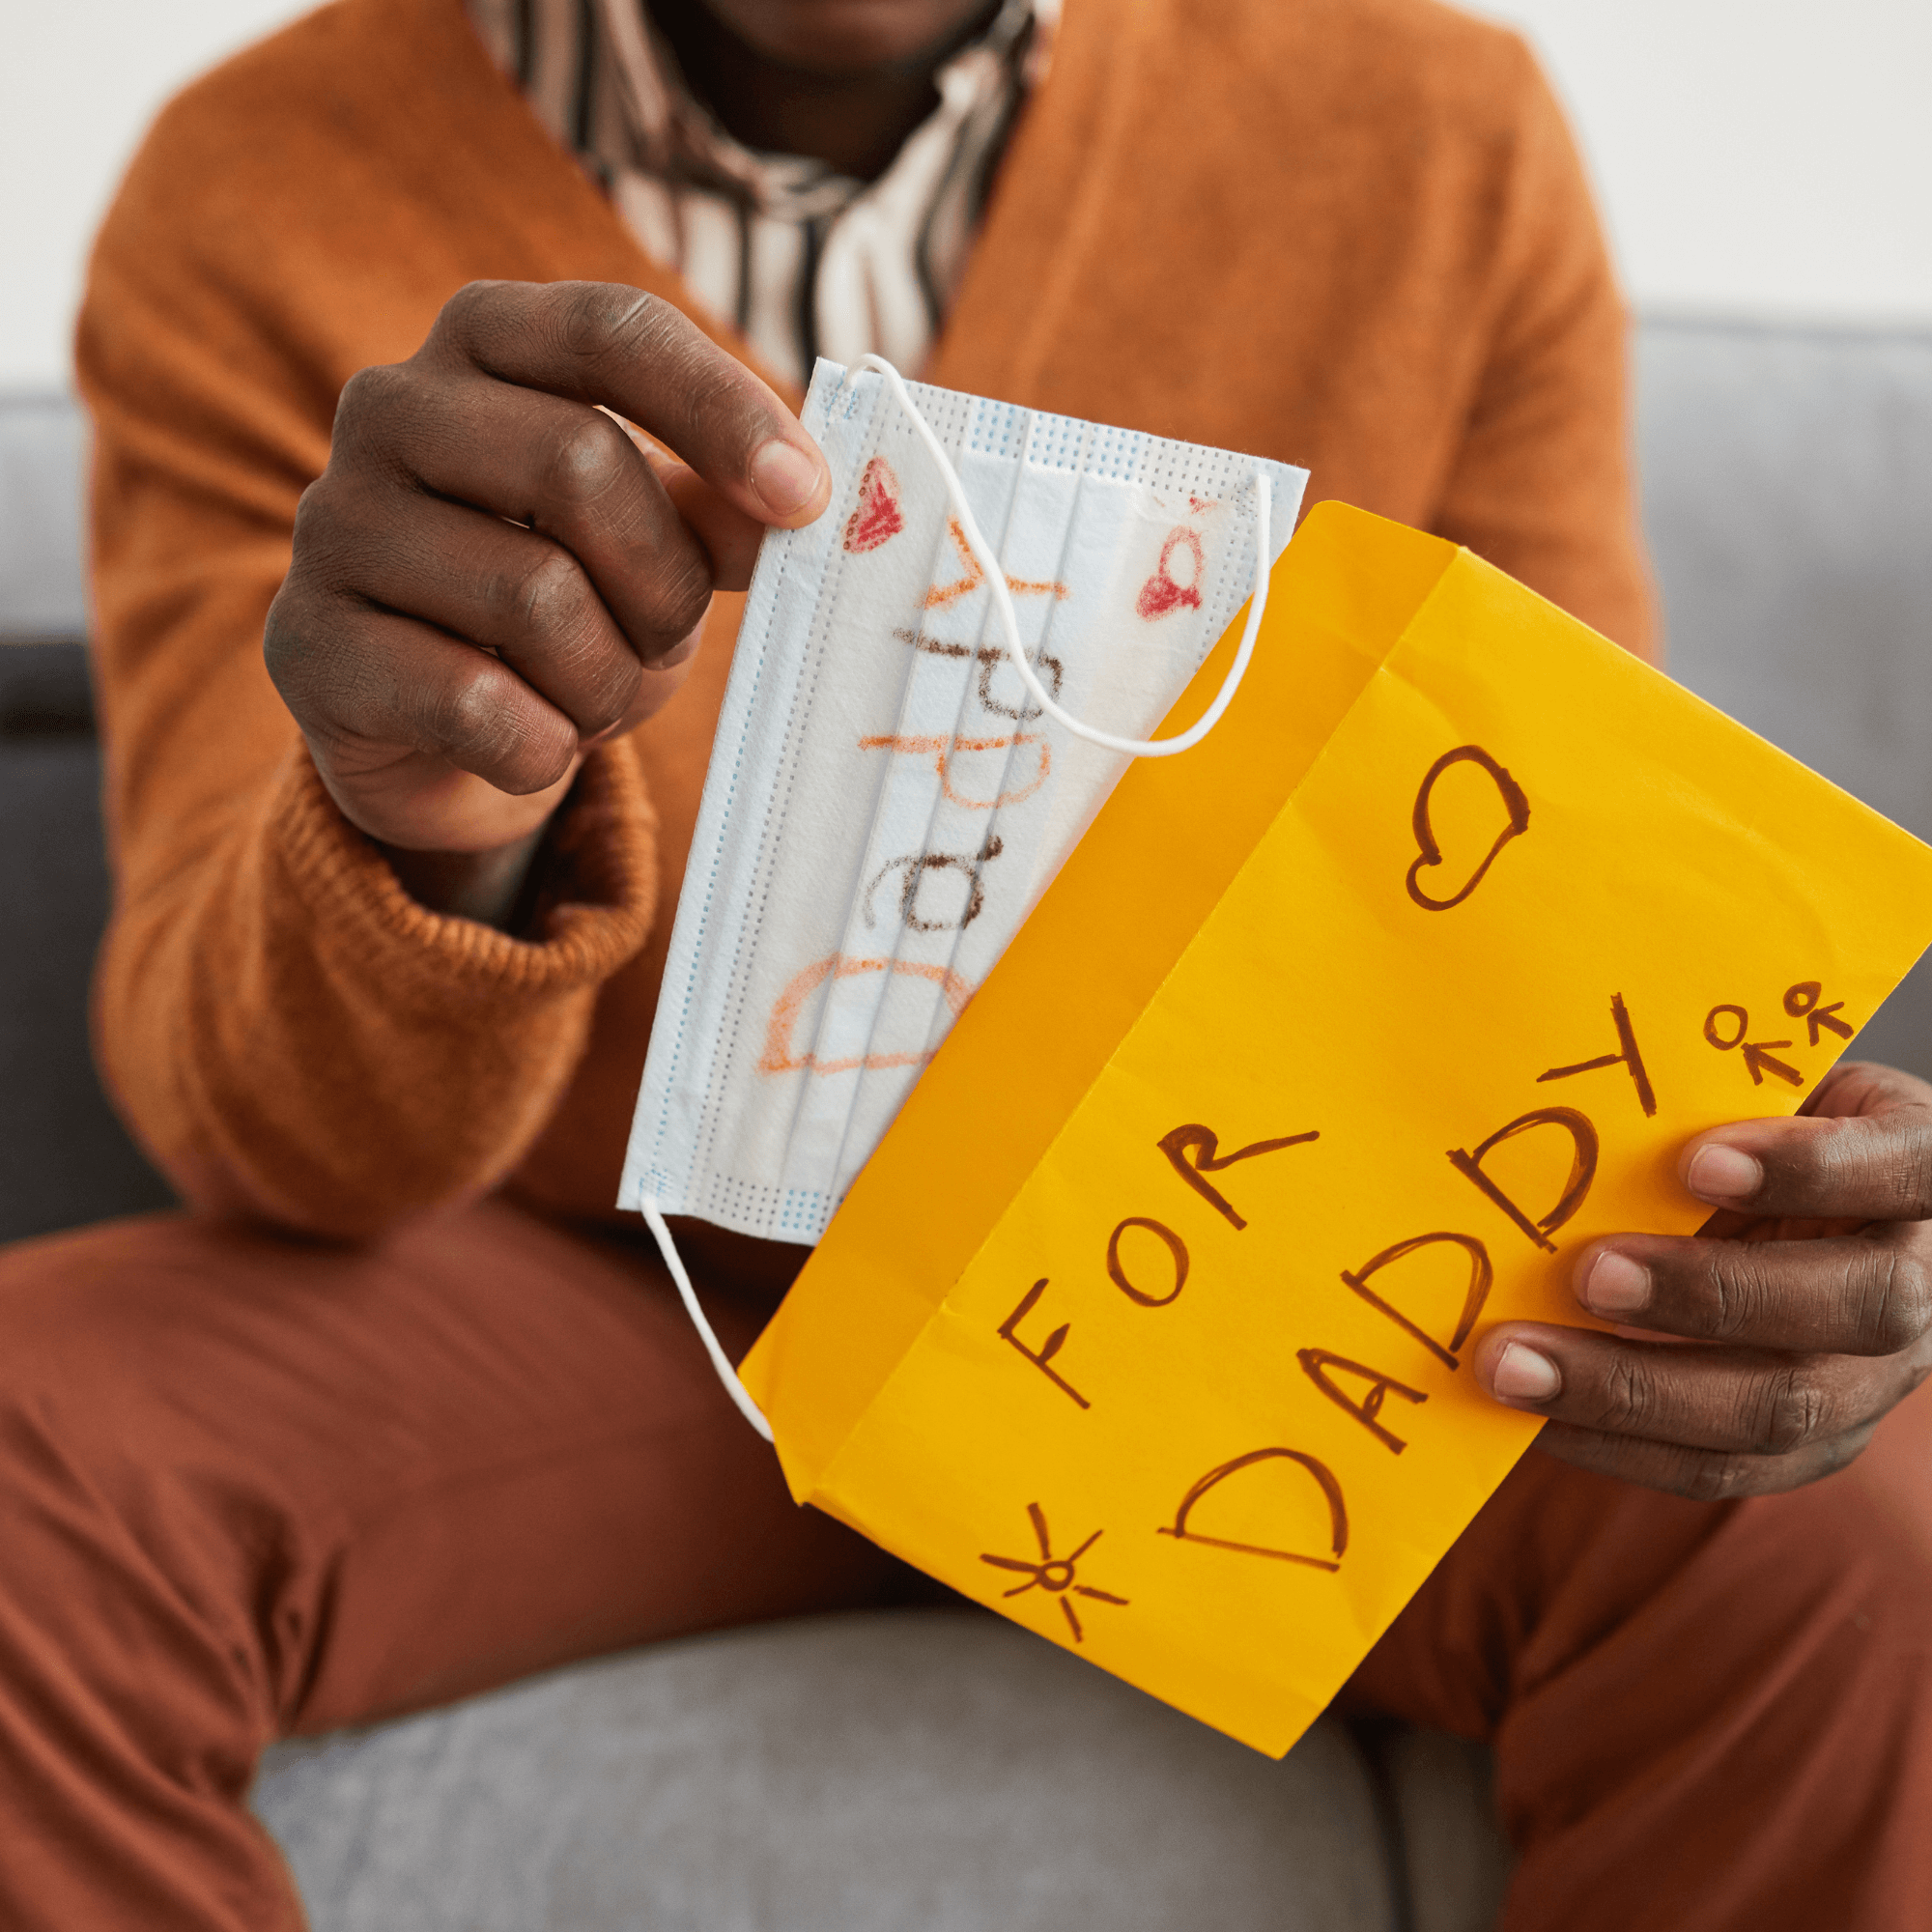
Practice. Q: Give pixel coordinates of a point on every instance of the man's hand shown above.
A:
(489, 577)
(1812, 1290)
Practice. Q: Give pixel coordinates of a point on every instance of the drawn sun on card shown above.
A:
(1056, 1575)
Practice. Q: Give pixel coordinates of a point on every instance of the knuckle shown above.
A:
(1715, 1478)
(470, 309)
(1881, 1160)
(549, 599)
(299, 648)
(468, 716)
(369, 398)
(1738, 1291)
(1726, 1478)
(475, 723)
(363, 389)
(598, 316)
(1786, 1409)
(554, 603)
(346, 536)
(585, 461)
(1893, 1301)
(1914, 1141)
(314, 514)
(1629, 1394)
(1899, 1154)
(681, 594)
(698, 383)
(379, 411)
(282, 649)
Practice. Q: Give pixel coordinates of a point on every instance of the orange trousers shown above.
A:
(250, 1488)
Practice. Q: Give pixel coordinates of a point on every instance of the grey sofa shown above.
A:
(939, 1769)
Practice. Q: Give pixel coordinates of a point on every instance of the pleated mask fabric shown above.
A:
(886, 799)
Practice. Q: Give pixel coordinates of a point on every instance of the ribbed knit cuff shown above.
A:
(594, 907)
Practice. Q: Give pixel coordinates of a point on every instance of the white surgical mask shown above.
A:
(911, 742)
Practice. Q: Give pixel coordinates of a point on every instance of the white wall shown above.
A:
(79, 83)
(1765, 155)
(1756, 155)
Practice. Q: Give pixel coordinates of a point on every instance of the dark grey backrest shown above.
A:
(1787, 480)
(64, 1158)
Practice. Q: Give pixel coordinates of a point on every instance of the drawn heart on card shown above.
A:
(878, 519)
(1429, 849)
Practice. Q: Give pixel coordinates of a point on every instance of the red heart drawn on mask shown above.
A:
(878, 518)
(1162, 592)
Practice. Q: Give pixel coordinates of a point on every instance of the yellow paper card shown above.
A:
(1149, 1323)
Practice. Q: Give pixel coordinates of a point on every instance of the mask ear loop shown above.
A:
(654, 1220)
(1003, 600)
(1139, 747)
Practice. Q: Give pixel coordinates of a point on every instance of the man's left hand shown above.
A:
(1810, 1291)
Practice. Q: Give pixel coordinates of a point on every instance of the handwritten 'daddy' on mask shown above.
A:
(884, 800)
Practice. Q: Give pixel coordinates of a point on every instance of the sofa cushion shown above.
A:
(937, 1769)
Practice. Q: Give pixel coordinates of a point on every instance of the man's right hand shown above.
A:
(490, 576)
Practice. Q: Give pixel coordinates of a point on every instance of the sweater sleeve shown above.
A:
(1542, 484)
(291, 1036)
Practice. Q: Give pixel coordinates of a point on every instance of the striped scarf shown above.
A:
(802, 260)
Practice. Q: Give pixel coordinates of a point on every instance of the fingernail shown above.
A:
(785, 476)
(1722, 1174)
(1615, 1284)
(1521, 1375)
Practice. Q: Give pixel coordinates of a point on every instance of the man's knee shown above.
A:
(125, 1478)
(75, 1334)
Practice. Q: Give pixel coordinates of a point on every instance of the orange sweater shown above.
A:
(1350, 234)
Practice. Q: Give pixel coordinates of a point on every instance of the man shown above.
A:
(400, 1409)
